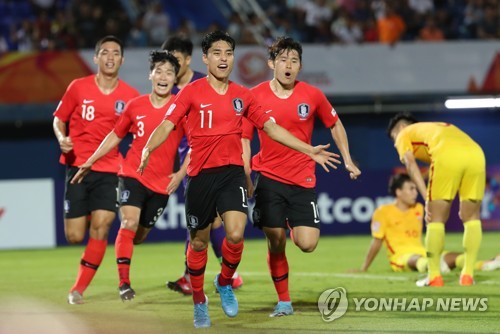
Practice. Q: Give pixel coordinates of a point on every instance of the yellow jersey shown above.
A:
(401, 231)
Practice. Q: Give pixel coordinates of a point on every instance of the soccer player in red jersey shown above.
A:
(182, 48)
(214, 108)
(284, 188)
(143, 197)
(87, 112)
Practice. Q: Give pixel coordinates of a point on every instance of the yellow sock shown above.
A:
(459, 261)
(422, 264)
(471, 242)
(434, 244)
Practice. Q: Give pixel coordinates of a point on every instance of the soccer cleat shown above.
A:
(466, 280)
(281, 309)
(201, 317)
(182, 285)
(227, 298)
(443, 265)
(436, 282)
(491, 265)
(126, 292)
(75, 298)
(237, 281)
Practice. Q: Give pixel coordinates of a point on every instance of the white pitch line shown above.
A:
(318, 274)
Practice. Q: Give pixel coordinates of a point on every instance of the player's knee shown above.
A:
(74, 238)
(307, 247)
(198, 245)
(234, 237)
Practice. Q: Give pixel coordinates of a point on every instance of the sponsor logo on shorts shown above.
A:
(125, 195)
(192, 221)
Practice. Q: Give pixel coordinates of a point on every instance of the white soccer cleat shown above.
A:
(491, 265)
(75, 298)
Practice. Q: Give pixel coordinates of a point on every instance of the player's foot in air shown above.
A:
(201, 317)
(182, 285)
(466, 280)
(227, 298)
(282, 309)
(126, 292)
(237, 281)
(435, 282)
(491, 265)
(75, 298)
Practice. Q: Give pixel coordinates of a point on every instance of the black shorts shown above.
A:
(279, 204)
(97, 191)
(151, 203)
(215, 190)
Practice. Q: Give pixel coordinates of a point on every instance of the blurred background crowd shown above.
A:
(27, 25)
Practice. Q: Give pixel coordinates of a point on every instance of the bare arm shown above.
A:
(159, 135)
(107, 145)
(247, 154)
(60, 131)
(176, 178)
(317, 153)
(372, 253)
(414, 173)
(339, 135)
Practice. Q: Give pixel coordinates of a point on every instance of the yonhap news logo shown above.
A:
(333, 304)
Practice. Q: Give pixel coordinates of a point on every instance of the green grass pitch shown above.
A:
(35, 283)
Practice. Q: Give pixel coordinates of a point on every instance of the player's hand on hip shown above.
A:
(324, 157)
(144, 160)
(353, 170)
(82, 171)
(66, 145)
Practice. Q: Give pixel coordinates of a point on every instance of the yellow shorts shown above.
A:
(457, 170)
(399, 262)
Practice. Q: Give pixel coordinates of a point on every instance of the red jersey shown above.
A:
(296, 114)
(214, 122)
(141, 118)
(92, 115)
(246, 129)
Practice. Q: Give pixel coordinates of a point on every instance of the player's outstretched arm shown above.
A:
(317, 153)
(159, 135)
(372, 253)
(339, 135)
(107, 145)
(65, 142)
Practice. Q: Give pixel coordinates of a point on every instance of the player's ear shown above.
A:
(188, 60)
(270, 63)
(205, 59)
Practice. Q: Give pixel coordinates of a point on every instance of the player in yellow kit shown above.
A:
(457, 164)
(398, 226)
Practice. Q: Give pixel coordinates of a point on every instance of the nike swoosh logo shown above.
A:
(140, 117)
(205, 105)
(316, 221)
(87, 101)
(267, 112)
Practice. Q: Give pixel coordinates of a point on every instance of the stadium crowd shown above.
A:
(27, 25)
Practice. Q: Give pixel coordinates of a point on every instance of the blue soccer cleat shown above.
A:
(201, 317)
(227, 298)
(281, 309)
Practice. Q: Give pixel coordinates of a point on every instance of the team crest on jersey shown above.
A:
(303, 110)
(119, 106)
(238, 105)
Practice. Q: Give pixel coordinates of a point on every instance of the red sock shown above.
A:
(231, 257)
(91, 259)
(278, 267)
(124, 248)
(197, 262)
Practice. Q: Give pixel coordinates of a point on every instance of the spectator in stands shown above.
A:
(488, 27)
(390, 26)
(430, 32)
(156, 23)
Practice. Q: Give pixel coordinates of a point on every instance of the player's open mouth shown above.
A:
(287, 74)
(110, 65)
(222, 66)
(163, 85)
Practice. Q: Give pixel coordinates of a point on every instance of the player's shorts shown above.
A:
(213, 190)
(460, 170)
(151, 203)
(399, 262)
(97, 191)
(283, 205)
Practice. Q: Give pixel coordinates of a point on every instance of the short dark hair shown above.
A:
(214, 36)
(109, 38)
(180, 44)
(161, 56)
(284, 43)
(401, 117)
(397, 181)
